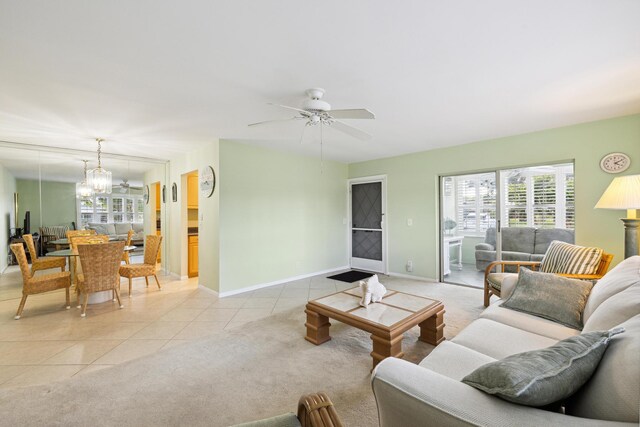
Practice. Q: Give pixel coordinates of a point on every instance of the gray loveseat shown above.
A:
(520, 244)
(119, 231)
(431, 393)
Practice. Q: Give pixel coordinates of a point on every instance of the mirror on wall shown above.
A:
(44, 181)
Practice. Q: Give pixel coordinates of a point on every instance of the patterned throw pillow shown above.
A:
(566, 258)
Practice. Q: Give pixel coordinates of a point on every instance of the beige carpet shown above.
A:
(254, 371)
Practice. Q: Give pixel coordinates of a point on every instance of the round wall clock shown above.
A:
(145, 196)
(615, 163)
(207, 179)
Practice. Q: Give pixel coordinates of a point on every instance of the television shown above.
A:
(26, 229)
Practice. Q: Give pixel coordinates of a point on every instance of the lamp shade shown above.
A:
(622, 193)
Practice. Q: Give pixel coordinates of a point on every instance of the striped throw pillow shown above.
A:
(566, 258)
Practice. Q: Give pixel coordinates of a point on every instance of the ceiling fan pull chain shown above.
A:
(321, 151)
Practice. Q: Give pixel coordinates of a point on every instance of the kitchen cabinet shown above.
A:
(192, 191)
(193, 256)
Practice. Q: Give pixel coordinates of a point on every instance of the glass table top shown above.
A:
(394, 307)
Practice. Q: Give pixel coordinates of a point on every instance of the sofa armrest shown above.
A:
(484, 247)
(407, 395)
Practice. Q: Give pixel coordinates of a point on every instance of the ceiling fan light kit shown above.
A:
(315, 112)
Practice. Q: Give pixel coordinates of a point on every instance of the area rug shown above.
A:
(254, 371)
(351, 276)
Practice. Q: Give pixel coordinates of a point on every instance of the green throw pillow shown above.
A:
(550, 296)
(541, 377)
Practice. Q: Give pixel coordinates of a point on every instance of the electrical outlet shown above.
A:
(409, 266)
(409, 222)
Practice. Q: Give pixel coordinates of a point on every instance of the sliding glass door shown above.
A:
(497, 215)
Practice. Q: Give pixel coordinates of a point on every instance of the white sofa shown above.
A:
(431, 393)
(119, 230)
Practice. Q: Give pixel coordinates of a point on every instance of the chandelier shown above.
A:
(99, 179)
(83, 189)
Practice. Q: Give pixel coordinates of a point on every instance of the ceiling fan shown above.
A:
(125, 186)
(315, 112)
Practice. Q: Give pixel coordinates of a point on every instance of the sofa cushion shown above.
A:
(122, 228)
(536, 257)
(544, 237)
(613, 392)
(454, 361)
(528, 322)
(621, 277)
(570, 259)
(138, 227)
(108, 229)
(545, 376)
(495, 279)
(518, 239)
(498, 340)
(615, 310)
(550, 296)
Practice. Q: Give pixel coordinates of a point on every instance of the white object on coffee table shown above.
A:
(372, 290)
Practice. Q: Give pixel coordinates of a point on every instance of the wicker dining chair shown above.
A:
(125, 256)
(74, 233)
(87, 240)
(43, 263)
(148, 267)
(36, 285)
(100, 264)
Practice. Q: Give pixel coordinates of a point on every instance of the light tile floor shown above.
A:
(468, 276)
(50, 343)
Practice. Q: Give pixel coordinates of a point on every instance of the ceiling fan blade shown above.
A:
(303, 112)
(350, 130)
(276, 121)
(354, 113)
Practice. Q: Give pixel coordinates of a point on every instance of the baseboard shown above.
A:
(208, 290)
(409, 276)
(281, 281)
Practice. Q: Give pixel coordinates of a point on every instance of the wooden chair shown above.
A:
(148, 267)
(100, 264)
(43, 263)
(492, 287)
(36, 285)
(125, 256)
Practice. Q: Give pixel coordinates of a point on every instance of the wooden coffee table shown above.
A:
(387, 320)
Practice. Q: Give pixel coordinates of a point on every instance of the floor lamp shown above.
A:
(624, 193)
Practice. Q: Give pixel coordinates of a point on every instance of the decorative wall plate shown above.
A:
(145, 196)
(207, 179)
(174, 192)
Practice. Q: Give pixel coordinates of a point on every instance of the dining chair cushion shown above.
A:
(137, 270)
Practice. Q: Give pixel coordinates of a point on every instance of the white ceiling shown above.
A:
(156, 78)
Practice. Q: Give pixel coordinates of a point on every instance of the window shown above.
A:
(476, 200)
(541, 196)
(111, 208)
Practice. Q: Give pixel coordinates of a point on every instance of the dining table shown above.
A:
(64, 243)
(71, 255)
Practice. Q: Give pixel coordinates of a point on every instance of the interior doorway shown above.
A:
(367, 234)
(156, 212)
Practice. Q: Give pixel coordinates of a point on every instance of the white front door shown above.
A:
(368, 237)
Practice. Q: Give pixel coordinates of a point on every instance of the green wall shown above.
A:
(58, 202)
(412, 183)
(280, 215)
(7, 216)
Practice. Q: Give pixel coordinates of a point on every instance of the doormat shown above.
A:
(351, 276)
